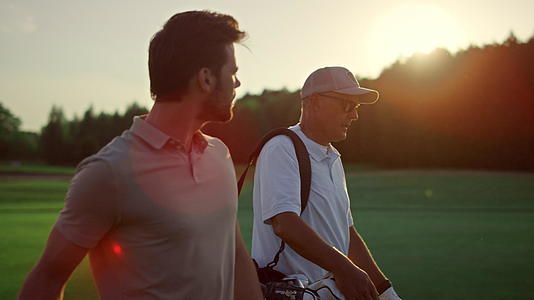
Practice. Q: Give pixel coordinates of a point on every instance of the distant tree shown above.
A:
(9, 123)
(15, 144)
(134, 109)
(9, 127)
(511, 40)
(53, 143)
(87, 135)
(254, 115)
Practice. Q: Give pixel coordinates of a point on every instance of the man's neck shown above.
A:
(312, 133)
(176, 119)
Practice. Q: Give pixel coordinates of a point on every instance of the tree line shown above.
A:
(62, 141)
(471, 109)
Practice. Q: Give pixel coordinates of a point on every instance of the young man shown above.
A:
(156, 208)
(322, 238)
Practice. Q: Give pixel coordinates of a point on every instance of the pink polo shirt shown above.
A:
(159, 222)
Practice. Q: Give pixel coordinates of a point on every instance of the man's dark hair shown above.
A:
(188, 42)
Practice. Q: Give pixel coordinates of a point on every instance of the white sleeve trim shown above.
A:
(280, 208)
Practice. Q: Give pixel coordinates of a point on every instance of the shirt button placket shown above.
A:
(193, 157)
(331, 170)
(195, 173)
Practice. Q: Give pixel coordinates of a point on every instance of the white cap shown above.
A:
(338, 80)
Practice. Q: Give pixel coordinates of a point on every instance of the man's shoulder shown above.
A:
(108, 156)
(282, 140)
(279, 147)
(98, 165)
(92, 175)
(215, 141)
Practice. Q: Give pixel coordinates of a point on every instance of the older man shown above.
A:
(322, 238)
(156, 208)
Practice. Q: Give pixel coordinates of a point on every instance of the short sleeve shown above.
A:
(279, 179)
(350, 221)
(90, 205)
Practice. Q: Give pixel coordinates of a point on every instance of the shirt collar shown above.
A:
(200, 143)
(317, 151)
(158, 139)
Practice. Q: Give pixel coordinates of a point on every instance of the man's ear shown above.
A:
(206, 80)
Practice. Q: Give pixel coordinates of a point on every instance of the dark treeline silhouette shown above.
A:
(14, 143)
(68, 142)
(473, 109)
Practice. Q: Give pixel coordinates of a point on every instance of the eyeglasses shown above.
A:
(347, 105)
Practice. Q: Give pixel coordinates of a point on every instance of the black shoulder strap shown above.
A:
(303, 159)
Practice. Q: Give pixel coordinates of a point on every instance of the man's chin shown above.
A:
(341, 137)
(223, 115)
(224, 118)
(217, 114)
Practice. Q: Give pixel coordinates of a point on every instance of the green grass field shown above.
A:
(437, 235)
(36, 169)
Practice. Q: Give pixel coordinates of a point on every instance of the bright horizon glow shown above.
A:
(415, 28)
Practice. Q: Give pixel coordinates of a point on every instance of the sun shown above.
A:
(408, 29)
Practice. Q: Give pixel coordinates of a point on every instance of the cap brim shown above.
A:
(360, 95)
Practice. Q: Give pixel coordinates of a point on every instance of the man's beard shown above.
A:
(216, 109)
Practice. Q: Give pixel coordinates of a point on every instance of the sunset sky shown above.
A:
(80, 53)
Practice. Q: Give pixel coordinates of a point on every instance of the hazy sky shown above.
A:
(77, 53)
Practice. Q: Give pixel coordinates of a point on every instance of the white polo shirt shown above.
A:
(277, 190)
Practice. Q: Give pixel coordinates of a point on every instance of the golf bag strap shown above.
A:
(303, 159)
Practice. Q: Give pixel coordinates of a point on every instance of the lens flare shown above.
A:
(117, 249)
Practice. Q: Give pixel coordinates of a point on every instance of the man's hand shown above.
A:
(354, 283)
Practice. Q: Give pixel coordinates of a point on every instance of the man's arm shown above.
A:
(90, 211)
(246, 284)
(352, 281)
(47, 279)
(360, 255)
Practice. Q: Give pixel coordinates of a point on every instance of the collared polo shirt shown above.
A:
(277, 190)
(159, 221)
